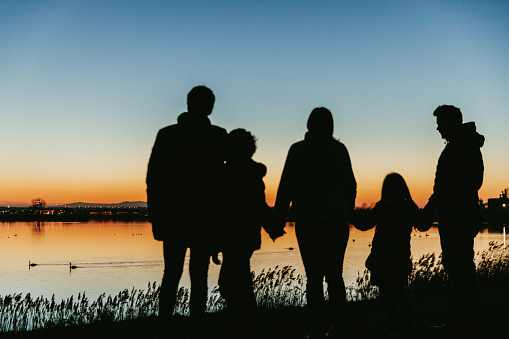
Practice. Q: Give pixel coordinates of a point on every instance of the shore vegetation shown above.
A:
(280, 294)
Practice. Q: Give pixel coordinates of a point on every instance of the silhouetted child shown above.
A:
(389, 261)
(244, 212)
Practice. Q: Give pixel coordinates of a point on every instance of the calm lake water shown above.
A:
(112, 256)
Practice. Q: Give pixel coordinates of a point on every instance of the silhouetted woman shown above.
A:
(389, 261)
(319, 182)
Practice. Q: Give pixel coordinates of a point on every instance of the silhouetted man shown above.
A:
(459, 175)
(184, 185)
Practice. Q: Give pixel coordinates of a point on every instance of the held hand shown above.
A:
(215, 257)
(157, 231)
(275, 227)
(276, 234)
(425, 221)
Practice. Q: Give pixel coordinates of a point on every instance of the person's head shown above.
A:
(395, 188)
(200, 100)
(243, 142)
(320, 122)
(449, 120)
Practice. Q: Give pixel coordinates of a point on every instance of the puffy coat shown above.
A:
(390, 257)
(318, 179)
(459, 173)
(184, 179)
(244, 208)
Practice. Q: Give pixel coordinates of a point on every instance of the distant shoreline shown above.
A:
(83, 214)
(141, 218)
(140, 213)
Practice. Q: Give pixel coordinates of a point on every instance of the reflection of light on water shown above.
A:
(110, 256)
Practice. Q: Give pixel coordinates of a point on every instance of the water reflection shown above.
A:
(111, 256)
(37, 230)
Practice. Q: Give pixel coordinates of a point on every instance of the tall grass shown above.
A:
(492, 267)
(428, 274)
(279, 288)
(18, 313)
(274, 288)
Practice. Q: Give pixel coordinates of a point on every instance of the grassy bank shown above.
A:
(365, 320)
(281, 297)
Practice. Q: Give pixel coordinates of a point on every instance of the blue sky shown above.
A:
(85, 85)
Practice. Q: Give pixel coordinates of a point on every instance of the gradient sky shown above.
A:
(85, 86)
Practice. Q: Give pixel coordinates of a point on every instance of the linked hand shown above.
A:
(157, 231)
(215, 257)
(276, 234)
(425, 221)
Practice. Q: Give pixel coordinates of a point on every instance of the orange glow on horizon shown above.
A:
(368, 195)
(57, 192)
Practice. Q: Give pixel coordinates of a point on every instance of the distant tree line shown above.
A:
(36, 212)
(73, 214)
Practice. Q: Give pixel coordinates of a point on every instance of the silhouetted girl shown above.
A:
(318, 180)
(389, 261)
(244, 212)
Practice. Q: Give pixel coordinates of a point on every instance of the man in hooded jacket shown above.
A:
(459, 176)
(184, 188)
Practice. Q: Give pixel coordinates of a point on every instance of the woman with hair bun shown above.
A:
(319, 183)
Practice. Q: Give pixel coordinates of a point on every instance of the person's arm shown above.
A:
(265, 216)
(415, 217)
(155, 192)
(268, 219)
(434, 200)
(350, 183)
(458, 176)
(364, 220)
(286, 189)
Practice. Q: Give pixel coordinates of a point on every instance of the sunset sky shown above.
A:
(86, 85)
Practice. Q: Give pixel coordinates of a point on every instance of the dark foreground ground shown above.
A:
(365, 320)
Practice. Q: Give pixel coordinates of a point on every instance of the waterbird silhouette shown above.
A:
(31, 264)
(72, 267)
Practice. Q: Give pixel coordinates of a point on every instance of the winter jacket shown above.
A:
(390, 250)
(244, 208)
(184, 179)
(459, 173)
(317, 179)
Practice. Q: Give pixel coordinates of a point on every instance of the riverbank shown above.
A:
(365, 319)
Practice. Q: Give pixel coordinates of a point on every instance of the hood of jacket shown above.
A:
(468, 134)
(258, 168)
(315, 138)
(193, 119)
(248, 166)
